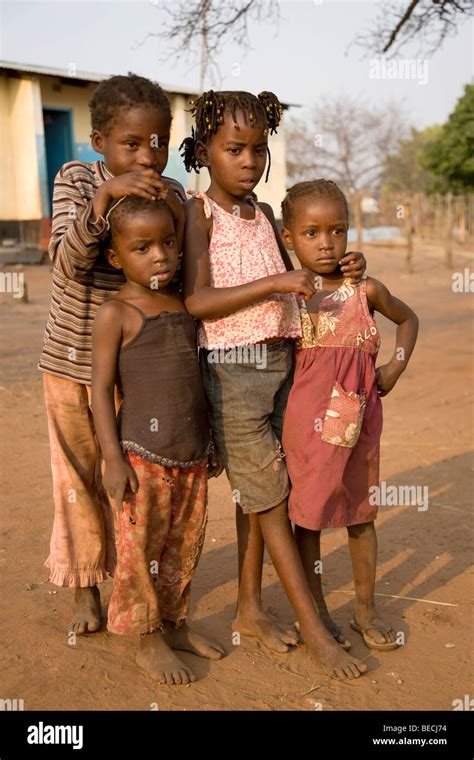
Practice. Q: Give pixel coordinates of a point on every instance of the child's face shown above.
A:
(318, 233)
(137, 138)
(236, 155)
(145, 247)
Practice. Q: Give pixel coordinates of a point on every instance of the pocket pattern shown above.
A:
(343, 419)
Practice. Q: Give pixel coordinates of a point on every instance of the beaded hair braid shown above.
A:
(263, 110)
(316, 188)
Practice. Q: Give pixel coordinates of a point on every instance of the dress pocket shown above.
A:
(343, 419)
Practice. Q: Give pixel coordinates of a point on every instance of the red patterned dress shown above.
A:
(333, 420)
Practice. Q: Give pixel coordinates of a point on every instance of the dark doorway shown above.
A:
(58, 139)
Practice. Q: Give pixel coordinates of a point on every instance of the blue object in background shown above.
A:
(85, 152)
(175, 167)
(376, 233)
(58, 140)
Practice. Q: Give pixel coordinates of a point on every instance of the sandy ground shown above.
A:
(424, 569)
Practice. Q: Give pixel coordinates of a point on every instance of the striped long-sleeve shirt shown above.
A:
(82, 277)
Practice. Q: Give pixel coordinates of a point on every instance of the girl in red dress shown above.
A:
(333, 421)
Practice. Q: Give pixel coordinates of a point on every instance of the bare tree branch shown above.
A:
(401, 23)
(344, 139)
(427, 22)
(200, 29)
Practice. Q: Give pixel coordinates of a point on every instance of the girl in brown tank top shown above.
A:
(158, 452)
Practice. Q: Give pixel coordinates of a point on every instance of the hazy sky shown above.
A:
(302, 57)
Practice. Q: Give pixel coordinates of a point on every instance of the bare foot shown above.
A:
(87, 615)
(186, 639)
(259, 625)
(157, 659)
(333, 629)
(331, 660)
(331, 626)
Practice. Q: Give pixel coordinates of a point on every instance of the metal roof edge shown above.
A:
(89, 76)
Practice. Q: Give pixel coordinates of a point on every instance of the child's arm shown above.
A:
(76, 232)
(107, 336)
(397, 311)
(205, 302)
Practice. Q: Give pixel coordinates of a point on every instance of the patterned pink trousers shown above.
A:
(160, 537)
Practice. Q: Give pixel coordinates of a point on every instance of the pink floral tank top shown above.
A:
(241, 251)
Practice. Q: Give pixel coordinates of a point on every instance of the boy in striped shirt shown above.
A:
(131, 121)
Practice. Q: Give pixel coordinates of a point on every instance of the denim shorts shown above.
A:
(247, 401)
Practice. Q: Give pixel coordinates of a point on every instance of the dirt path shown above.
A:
(424, 584)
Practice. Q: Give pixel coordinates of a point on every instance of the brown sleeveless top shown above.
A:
(164, 415)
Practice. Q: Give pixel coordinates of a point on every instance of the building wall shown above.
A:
(7, 164)
(23, 168)
(180, 128)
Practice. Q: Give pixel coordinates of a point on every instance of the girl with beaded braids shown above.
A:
(239, 282)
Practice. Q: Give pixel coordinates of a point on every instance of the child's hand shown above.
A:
(214, 465)
(298, 281)
(119, 479)
(353, 265)
(386, 377)
(146, 183)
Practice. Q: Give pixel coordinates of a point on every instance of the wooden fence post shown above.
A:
(448, 231)
(462, 220)
(409, 234)
(358, 219)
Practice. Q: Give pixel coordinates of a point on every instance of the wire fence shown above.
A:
(406, 219)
